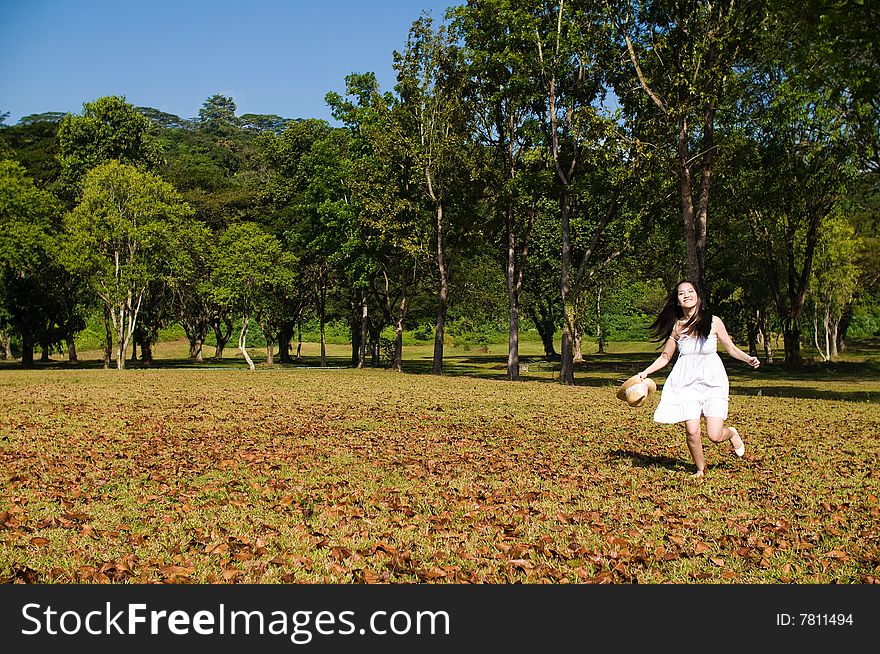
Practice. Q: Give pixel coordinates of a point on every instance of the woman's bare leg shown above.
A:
(695, 445)
(718, 433)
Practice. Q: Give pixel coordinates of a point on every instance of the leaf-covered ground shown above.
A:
(339, 475)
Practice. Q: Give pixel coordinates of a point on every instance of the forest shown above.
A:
(539, 170)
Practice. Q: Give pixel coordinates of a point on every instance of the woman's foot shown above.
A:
(698, 474)
(739, 447)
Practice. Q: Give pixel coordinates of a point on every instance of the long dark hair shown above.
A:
(699, 325)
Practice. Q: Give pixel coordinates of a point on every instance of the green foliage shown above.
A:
(28, 257)
(123, 238)
(250, 267)
(780, 96)
(108, 129)
(218, 114)
(27, 216)
(216, 165)
(835, 273)
(865, 321)
(34, 144)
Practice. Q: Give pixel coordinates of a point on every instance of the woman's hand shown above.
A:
(642, 376)
(753, 362)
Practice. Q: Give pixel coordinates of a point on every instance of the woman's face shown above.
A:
(687, 296)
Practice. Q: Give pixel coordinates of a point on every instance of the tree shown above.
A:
(503, 98)
(568, 63)
(376, 175)
(34, 144)
(218, 114)
(433, 132)
(801, 158)
(28, 256)
(250, 270)
(216, 165)
(164, 119)
(108, 129)
(191, 301)
(683, 55)
(122, 236)
(262, 123)
(835, 275)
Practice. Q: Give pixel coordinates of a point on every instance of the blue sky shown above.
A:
(272, 56)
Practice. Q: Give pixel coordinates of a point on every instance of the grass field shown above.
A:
(216, 474)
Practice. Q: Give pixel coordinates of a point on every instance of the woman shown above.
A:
(697, 385)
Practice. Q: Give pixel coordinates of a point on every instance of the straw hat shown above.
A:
(635, 391)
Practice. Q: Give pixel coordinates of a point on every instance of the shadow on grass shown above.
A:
(640, 460)
(806, 393)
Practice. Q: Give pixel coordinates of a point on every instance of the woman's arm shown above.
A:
(730, 347)
(663, 359)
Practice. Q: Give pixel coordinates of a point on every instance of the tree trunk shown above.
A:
(544, 322)
(397, 364)
(71, 349)
(4, 346)
(765, 335)
(695, 219)
(363, 334)
(752, 330)
(791, 337)
(354, 327)
(299, 338)
(285, 333)
(442, 296)
(513, 338)
(600, 339)
(375, 344)
(242, 342)
(826, 324)
(578, 356)
(816, 334)
(439, 334)
(270, 352)
(842, 327)
(27, 351)
(147, 353)
(108, 339)
(322, 299)
(514, 284)
(121, 341)
(834, 327)
(220, 337)
(566, 369)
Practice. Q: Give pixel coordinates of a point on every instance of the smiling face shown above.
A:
(688, 299)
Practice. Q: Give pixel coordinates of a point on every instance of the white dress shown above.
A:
(697, 384)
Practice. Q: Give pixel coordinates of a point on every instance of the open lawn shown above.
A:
(212, 473)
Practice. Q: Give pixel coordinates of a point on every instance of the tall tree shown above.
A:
(802, 161)
(430, 84)
(122, 236)
(503, 98)
(217, 113)
(250, 270)
(28, 218)
(569, 48)
(683, 55)
(835, 276)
